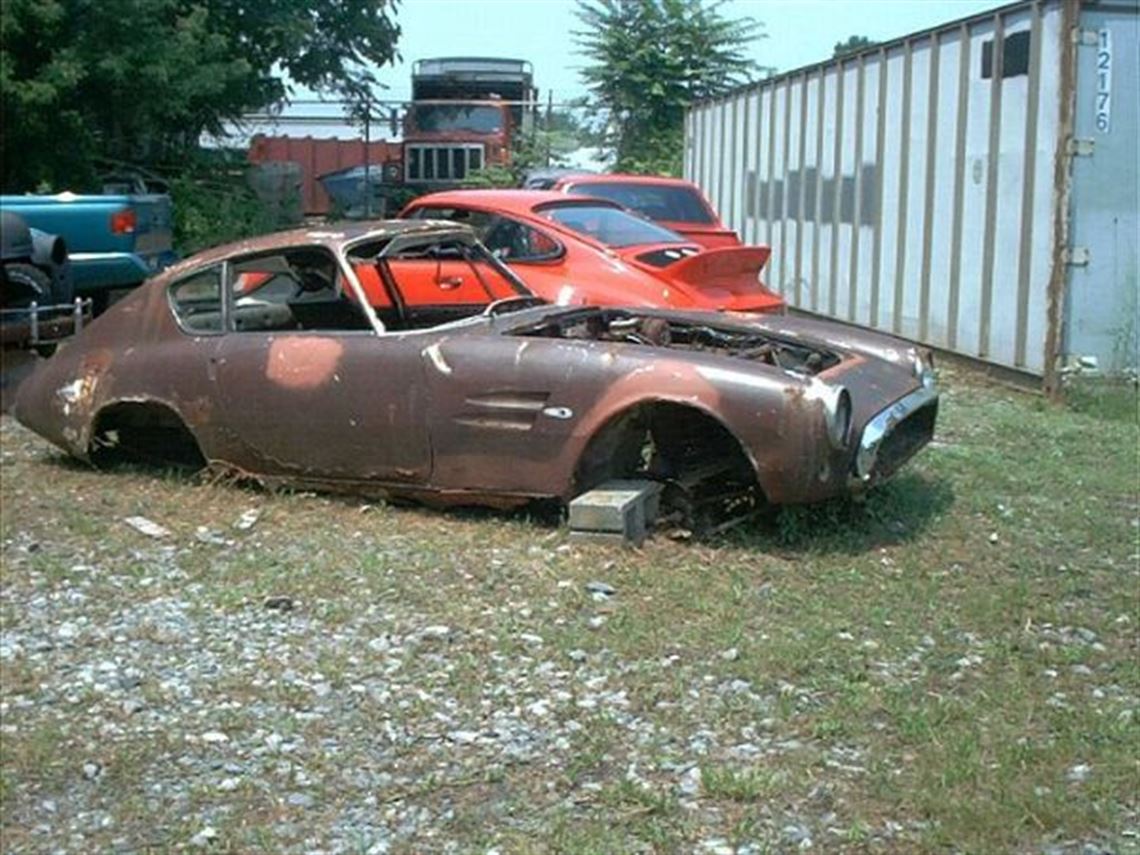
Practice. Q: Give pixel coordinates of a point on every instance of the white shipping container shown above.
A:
(973, 187)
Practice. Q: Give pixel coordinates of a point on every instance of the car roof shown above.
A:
(331, 235)
(622, 178)
(513, 201)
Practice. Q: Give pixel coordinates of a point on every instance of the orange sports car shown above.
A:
(582, 250)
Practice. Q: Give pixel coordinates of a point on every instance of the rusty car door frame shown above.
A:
(289, 395)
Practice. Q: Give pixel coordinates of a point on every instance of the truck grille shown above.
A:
(427, 163)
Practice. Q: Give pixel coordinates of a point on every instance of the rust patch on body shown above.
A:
(197, 411)
(96, 361)
(303, 363)
(77, 398)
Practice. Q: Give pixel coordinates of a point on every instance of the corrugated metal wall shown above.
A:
(909, 188)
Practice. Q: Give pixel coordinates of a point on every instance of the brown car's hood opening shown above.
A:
(651, 330)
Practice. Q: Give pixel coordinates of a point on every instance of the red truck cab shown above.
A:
(445, 141)
(463, 117)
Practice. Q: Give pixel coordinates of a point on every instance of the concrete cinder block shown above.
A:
(624, 508)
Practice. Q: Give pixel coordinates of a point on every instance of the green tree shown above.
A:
(140, 80)
(854, 44)
(649, 60)
(557, 134)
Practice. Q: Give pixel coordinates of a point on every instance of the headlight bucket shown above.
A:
(837, 413)
(922, 362)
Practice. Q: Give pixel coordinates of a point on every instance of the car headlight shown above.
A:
(922, 361)
(837, 414)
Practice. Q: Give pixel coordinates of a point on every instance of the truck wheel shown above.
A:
(23, 285)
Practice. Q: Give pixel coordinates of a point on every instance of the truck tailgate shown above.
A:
(114, 240)
(154, 229)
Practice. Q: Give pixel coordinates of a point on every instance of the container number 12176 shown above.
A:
(1103, 80)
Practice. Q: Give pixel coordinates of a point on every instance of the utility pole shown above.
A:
(368, 156)
(549, 116)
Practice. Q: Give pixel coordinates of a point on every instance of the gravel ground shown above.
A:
(356, 735)
(290, 673)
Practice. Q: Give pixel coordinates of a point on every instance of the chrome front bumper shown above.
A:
(34, 324)
(880, 428)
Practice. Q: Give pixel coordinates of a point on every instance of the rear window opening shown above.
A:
(628, 327)
(610, 226)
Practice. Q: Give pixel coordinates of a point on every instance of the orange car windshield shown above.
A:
(610, 226)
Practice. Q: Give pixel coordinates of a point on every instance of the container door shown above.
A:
(1101, 301)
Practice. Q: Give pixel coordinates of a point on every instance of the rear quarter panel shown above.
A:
(133, 352)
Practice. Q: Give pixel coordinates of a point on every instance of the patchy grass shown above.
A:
(951, 664)
(1105, 398)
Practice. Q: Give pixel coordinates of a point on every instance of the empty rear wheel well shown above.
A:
(143, 432)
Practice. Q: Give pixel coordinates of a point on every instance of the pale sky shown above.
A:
(799, 32)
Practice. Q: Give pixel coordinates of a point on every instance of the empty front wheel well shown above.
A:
(664, 440)
(143, 432)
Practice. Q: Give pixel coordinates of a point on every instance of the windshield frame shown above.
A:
(448, 232)
(461, 111)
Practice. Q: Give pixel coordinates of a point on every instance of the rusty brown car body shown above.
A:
(222, 359)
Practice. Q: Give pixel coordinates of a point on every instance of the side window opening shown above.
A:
(479, 221)
(512, 241)
(197, 301)
(1014, 56)
(427, 286)
(294, 289)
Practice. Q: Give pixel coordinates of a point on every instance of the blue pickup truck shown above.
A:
(115, 241)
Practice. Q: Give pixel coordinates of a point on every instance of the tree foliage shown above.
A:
(214, 203)
(135, 80)
(854, 44)
(649, 60)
